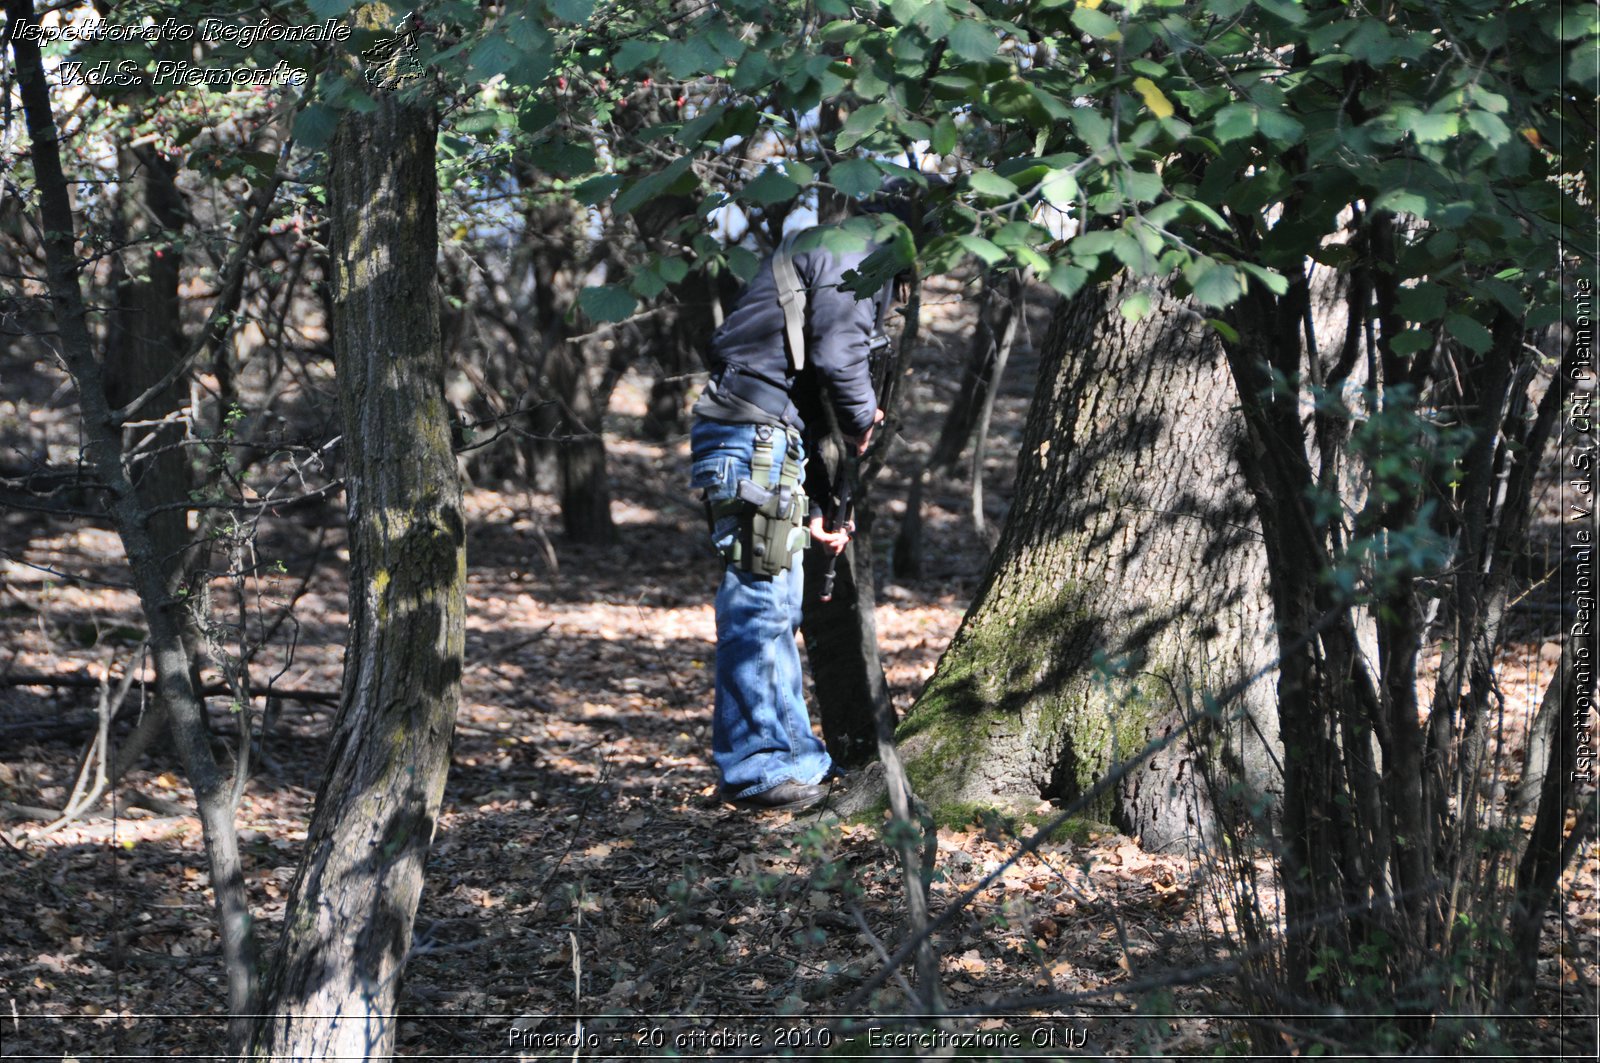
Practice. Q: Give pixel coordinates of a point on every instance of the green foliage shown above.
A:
(1216, 141)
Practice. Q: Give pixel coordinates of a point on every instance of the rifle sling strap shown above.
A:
(792, 298)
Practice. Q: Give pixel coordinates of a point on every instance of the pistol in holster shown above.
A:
(772, 520)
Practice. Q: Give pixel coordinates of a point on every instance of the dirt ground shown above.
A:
(588, 896)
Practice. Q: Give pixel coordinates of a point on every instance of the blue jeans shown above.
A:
(760, 730)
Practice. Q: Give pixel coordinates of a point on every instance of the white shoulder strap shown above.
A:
(792, 298)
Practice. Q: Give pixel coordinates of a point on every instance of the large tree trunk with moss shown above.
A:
(332, 990)
(1128, 583)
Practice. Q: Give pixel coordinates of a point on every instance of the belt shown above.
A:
(758, 392)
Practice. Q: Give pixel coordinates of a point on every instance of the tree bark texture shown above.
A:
(145, 340)
(332, 990)
(562, 254)
(1131, 560)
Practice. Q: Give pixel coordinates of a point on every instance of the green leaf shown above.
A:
(862, 123)
(689, 58)
(1094, 243)
(1574, 22)
(1490, 127)
(484, 121)
(1271, 279)
(935, 20)
(1470, 333)
(1031, 258)
(1093, 22)
(1067, 279)
(1223, 329)
(742, 263)
(493, 55)
(1137, 186)
(1060, 189)
(1234, 122)
(1092, 127)
(672, 269)
(1404, 201)
(609, 303)
(632, 54)
(315, 125)
(1136, 307)
(1207, 212)
(695, 130)
(1421, 302)
(1583, 67)
(856, 177)
(770, 186)
(1056, 107)
(1409, 342)
(1288, 10)
(650, 186)
(597, 190)
(326, 9)
(572, 10)
(647, 283)
(878, 268)
(973, 42)
(562, 157)
(839, 31)
(1284, 129)
(1425, 127)
(1213, 284)
(535, 115)
(988, 183)
(943, 141)
(1131, 252)
(981, 248)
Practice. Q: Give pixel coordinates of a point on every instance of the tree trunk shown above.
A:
(1130, 561)
(131, 513)
(145, 340)
(585, 484)
(999, 308)
(332, 990)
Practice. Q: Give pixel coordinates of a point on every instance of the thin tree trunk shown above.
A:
(581, 455)
(130, 512)
(1000, 308)
(145, 340)
(1005, 335)
(332, 989)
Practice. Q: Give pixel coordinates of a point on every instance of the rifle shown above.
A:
(849, 464)
(843, 516)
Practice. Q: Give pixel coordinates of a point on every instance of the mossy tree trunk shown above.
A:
(332, 990)
(1130, 568)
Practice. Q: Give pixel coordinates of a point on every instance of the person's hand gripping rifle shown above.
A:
(834, 533)
(842, 524)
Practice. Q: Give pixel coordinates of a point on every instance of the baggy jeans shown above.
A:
(761, 731)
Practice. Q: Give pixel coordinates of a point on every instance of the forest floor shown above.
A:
(585, 880)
